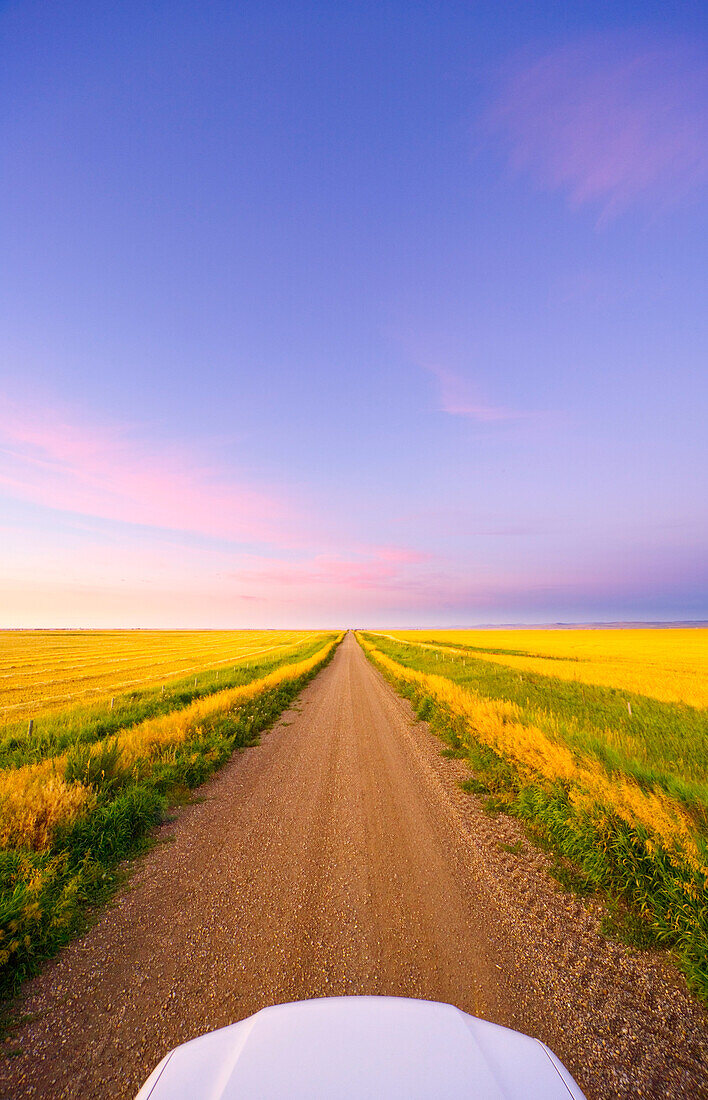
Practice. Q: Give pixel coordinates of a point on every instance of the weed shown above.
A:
(514, 849)
(99, 766)
(620, 923)
(570, 878)
(474, 786)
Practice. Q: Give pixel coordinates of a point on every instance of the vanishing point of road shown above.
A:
(340, 856)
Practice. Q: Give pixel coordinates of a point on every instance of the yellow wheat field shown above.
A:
(36, 799)
(44, 671)
(665, 663)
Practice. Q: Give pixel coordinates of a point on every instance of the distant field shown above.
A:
(122, 722)
(42, 671)
(597, 738)
(667, 664)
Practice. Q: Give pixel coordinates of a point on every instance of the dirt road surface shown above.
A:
(341, 857)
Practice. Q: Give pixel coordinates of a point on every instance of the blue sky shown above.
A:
(387, 314)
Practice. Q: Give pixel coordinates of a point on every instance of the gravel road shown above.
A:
(341, 857)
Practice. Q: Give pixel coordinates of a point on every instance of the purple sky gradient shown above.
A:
(353, 315)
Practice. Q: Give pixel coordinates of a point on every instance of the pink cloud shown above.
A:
(106, 472)
(385, 568)
(612, 121)
(457, 397)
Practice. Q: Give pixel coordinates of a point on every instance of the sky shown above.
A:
(353, 314)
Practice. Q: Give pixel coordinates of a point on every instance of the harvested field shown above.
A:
(47, 670)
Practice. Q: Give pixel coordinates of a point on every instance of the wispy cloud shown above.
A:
(384, 568)
(613, 121)
(457, 396)
(107, 471)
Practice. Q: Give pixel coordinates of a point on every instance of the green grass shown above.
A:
(445, 647)
(79, 871)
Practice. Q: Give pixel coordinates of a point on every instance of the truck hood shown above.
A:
(361, 1047)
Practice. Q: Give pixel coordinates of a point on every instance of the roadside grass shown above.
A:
(633, 832)
(69, 865)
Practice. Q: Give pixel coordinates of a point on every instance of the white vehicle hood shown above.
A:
(363, 1047)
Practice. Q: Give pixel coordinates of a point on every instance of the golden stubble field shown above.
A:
(43, 671)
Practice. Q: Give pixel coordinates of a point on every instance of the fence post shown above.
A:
(112, 701)
(30, 727)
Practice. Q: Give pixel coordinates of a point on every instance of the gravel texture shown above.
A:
(341, 857)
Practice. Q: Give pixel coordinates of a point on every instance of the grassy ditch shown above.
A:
(635, 833)
(67, 822)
